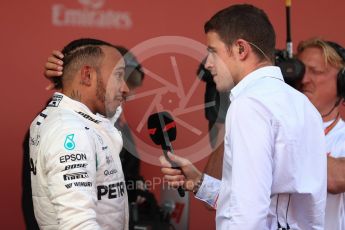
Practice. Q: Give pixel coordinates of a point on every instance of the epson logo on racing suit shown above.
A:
(73, 157)
(107, 172)
(113, 190)
(73, 176)
(74, 166)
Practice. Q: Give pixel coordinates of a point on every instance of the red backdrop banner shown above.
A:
(168, 39)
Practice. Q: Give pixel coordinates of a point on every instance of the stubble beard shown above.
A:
(100, 92)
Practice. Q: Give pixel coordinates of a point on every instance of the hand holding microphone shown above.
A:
(187, 175)
(178, 171)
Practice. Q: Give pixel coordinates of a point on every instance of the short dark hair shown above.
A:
(73, 45)
(85, 50)
(247, 22)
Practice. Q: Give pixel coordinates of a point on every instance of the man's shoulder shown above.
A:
(279, 100)
(61, 127)
(57, 119)
(275, 90)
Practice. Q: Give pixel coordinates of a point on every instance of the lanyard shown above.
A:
(331, 126)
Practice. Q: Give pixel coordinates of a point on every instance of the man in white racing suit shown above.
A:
(76, 175)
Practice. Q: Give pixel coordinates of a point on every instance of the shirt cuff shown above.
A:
(209, 190)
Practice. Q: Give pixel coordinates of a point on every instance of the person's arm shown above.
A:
(248, 168)
(69, 162)
(335, 175)
(206, 188)
(53, 67)
(188, 176)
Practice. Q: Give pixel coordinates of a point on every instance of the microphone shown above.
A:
(162, 130)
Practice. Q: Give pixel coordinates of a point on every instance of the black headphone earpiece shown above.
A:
(240, 49)
(341, 83)
(341, 74)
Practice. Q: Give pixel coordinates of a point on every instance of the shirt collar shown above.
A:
(267, 71)
(63, 101)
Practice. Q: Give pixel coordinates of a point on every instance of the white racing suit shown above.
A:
(76, 174)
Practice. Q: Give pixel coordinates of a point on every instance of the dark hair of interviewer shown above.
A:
(246, 22)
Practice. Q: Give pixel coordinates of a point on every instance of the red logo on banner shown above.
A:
(90, 14)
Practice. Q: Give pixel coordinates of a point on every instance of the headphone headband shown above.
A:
(338, 48)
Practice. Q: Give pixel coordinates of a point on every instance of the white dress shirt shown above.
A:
(274, 167)
(335, 206)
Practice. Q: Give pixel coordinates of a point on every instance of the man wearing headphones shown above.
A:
(324, 84)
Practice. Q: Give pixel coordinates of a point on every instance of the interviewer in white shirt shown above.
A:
(274, 167)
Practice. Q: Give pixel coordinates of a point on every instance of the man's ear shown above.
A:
(86, 73)
(243, 48)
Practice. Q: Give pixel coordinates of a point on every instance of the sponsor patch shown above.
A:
(69, 185)
(109, 159)
(100, 139)
(111, 191)
(69, 143)
(35, 140)
(73, 157)
(110, 172)
(55, 101)
(74, 166)
(86, 116)
(78, 184)
(74, 176)
(82, 184)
